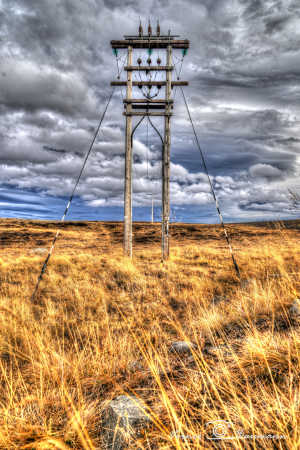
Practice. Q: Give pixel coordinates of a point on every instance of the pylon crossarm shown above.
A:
(151, 43)
(148, 68)
(149, 83)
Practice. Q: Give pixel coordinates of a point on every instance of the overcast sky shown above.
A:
(244, 71)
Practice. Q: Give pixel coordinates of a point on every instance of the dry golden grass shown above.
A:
(102, 326)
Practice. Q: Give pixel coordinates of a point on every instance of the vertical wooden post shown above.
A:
(166, 162)
(128, 165)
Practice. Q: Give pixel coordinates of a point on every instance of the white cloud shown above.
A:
(265, 170)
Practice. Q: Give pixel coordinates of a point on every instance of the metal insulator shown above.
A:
(140, 29)
(139, 61)
(159, 61)
(158, 28)
(149, 29)
(149, 61)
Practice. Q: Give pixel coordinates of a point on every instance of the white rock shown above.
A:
(135, 366)
(122, 419)
(295, 308)
(182, 347)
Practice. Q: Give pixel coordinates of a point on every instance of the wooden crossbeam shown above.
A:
(144, 100)
(147, 114)
(151, 43)
(148, 68)
(149, 83)
(146, 37)
(148, 106)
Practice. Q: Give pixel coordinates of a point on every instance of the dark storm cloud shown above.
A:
(275, 24)
(253, 8)
(243, 65)
(115, 4)
(29, 86)
(39, 119)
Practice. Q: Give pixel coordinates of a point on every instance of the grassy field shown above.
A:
(102, 325)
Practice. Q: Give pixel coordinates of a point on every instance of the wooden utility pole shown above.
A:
(166, 162)
(128, 163)
(148, 106)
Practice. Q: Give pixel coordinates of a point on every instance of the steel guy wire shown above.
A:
(72, 195)
(211, 187)
(177, 75)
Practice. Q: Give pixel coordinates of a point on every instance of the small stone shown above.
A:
(122, 420)
(295, 308)
(182, 347)
(40, 250)
(135, 366)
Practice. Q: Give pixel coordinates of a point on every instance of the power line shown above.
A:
(211, 187)
(71, 196)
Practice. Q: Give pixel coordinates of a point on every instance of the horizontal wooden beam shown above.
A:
(147, 114)
(144, 100)
(151, 43)
(146, 37)
(149, 83)
(148, 106)
(148, 68)
(179, 46)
